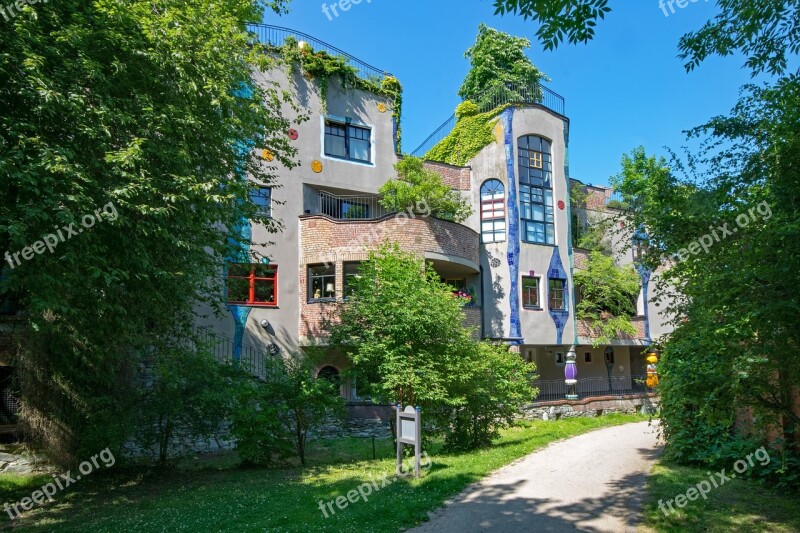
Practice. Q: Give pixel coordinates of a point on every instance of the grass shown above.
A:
(208, 497)
(740, 505)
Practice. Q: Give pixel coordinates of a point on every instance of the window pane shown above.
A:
(264, 292)
(262, 197)
(360, 150)
(265, 271)
(238, 290)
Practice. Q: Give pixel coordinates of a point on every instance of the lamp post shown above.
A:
(571, 375)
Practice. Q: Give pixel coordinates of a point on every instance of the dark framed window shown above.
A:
(252, 284)
(321, 283)
(262, 197)
(558, 295)
(458, 284)
(537, 215)
(351, 273)
(493, 211)
(348, 141)
(530, 292)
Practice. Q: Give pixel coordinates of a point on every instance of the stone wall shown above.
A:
(591, 407)
(363, 421)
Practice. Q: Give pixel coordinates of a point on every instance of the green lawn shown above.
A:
(738, 505)
(206, 499)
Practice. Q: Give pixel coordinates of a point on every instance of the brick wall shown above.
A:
(324, 240)
(596, 199)
(581, 258)
(456, 177)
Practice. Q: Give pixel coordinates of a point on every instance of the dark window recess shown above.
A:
(321, 283)
(351, 274)
(347, 141)
(558, 290)
(530, 292)
(251, 284)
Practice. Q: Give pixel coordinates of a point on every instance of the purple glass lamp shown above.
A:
(571, 375)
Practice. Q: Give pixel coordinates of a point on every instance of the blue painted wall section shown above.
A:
(556, 271)
(515, 330)
(242, 253)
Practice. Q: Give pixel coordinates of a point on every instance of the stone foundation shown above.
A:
(590, 407)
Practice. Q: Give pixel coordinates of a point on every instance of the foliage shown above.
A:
(186, 396)
(740, 292)
(618, 204)
(498, 61)
(467, 108)
(764, 31)
(498, 385)
(419, 190)
(402, 329)
(607, 297)
(578, 194)
(145, 109)
(322, 67)
(470, 135)
(596, 236)
(573, 19)
(273, 418)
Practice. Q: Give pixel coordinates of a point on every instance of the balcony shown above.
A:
(364, 207)
(616, 386)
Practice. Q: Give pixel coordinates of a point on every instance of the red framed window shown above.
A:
(251, 284)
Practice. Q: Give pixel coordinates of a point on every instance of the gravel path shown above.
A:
(594, 482)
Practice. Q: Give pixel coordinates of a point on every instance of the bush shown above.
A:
(185, 395)
(467, 108)
(273, 418)
(497, 384)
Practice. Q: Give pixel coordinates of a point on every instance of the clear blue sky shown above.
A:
(625, 88)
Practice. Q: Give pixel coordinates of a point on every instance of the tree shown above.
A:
(421, 191)
(607, 297)
(402, 329)
(498, 62)
(274, 418)
(150, 114)
(764, 31)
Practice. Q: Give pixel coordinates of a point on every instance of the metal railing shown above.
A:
(257, 361)
(552, 390)
(511, 93)
(351, 207)
(277, 35)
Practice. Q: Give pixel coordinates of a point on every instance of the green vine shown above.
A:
(321, 67)
(607, 298)
(471, 134)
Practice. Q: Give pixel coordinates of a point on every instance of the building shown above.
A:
(514, 254)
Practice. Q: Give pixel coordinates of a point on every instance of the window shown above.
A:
(262, 197)
(536, 190)
(558, 291)
(250, 284)
(493, 211)
(321, 283)
(351, 273)
(347, 141)
(530, 292)
(457, 284)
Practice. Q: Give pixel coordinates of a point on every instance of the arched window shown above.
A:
(536, 190)
(493, 211)
(331, 374)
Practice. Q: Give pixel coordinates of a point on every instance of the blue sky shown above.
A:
(624, 89)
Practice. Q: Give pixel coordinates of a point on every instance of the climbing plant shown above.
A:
(471, 134)
(322, 67)
(607, 296)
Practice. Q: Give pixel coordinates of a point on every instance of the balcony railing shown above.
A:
(276, 36)
(366, 207)
(257, 361)
(511, 93)
(553, 390)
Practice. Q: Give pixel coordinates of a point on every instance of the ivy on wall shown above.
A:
(607, 297)
(322, 67)
(471, 134)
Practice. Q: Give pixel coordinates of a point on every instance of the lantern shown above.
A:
(652, 370)
(571, 375)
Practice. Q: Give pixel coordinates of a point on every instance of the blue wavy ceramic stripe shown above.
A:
(515, 331)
